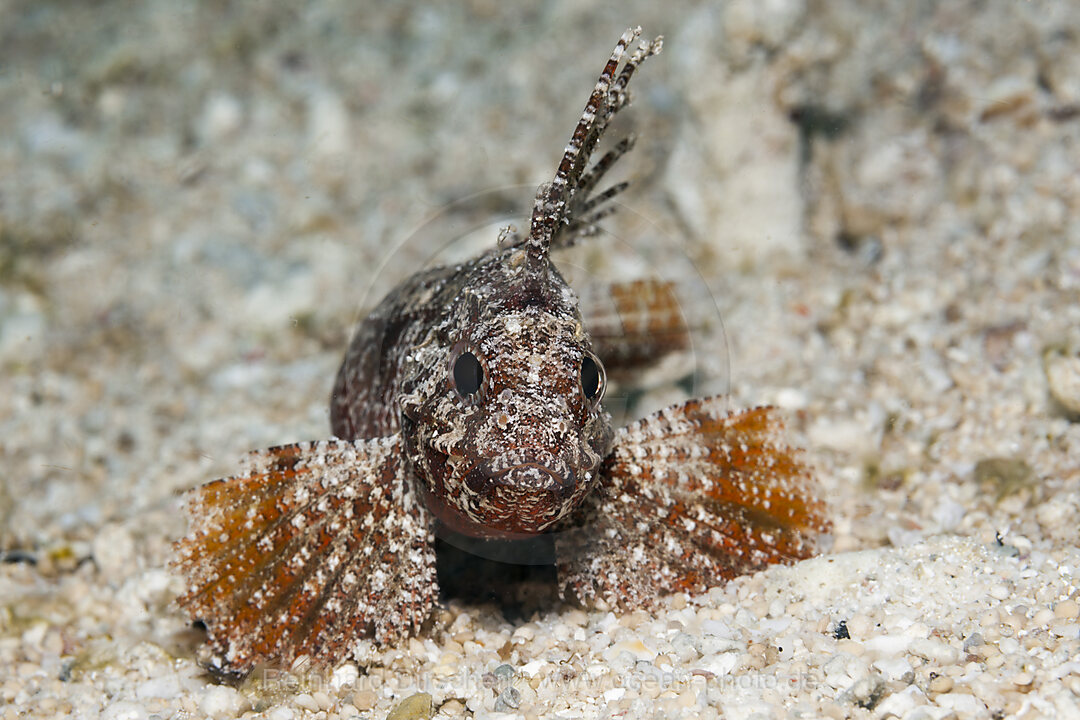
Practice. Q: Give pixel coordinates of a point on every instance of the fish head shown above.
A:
(510, 438)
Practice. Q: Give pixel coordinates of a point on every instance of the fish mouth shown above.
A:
(519, 492)
(524, 472)
(512, 494)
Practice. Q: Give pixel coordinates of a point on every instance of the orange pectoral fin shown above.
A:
(292, 557)
(691, 496)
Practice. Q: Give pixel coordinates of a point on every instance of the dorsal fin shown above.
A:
(558, 202)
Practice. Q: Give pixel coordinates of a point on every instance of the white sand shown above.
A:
(195, 206)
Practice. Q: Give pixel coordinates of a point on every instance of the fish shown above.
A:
(470, 401)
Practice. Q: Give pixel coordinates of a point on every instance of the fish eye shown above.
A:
(468, 374)
(592, 377)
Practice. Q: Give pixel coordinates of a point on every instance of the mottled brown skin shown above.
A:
(470, 399)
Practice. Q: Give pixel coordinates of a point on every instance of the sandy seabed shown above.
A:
(881, 200)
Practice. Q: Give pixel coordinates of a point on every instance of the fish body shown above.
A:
(470, 401)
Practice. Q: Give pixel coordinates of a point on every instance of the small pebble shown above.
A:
(1063, 379)
(414, 707)
(344, 676)
(364, 699)
(1006, 94)
(1067, 609)
(165, 686)
(936, 651)
(124, 710)
(114, 552)
(452, 707)
(865, 692)
(894, 668)
(1006, 475)
(858, 626)
(1042, 618)
(222, 115)
(307, 702)
(1065, 629)
(53, 643)
(686, 647)
(328, 125)
(220, 701)
(851, 646)
(324, 701)
(963, 704)
(888, 645)
(1023, 680)
(509, 699)
(900, 704)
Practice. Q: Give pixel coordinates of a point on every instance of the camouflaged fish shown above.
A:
(470, 401)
